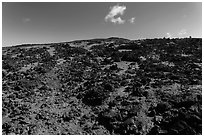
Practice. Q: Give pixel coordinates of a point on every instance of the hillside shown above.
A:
(103, 86)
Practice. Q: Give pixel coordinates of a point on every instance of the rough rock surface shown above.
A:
(103, 86)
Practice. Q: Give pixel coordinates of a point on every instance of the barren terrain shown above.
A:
(102, 87)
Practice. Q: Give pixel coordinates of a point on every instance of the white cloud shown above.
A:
(182, 32)
(168, 35)
(114, 11)
(132, 20)
(25, 20)
(117, 20)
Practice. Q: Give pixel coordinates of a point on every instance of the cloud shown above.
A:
(182, 32)
(132, 20)
(117, 20)
(168, 35)
(25, 20)
(115, 11)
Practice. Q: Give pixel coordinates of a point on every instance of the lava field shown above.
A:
(110, 86)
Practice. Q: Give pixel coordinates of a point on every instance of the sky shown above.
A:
(29, 23)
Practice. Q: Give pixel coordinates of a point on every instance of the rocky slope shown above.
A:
(103, 86)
